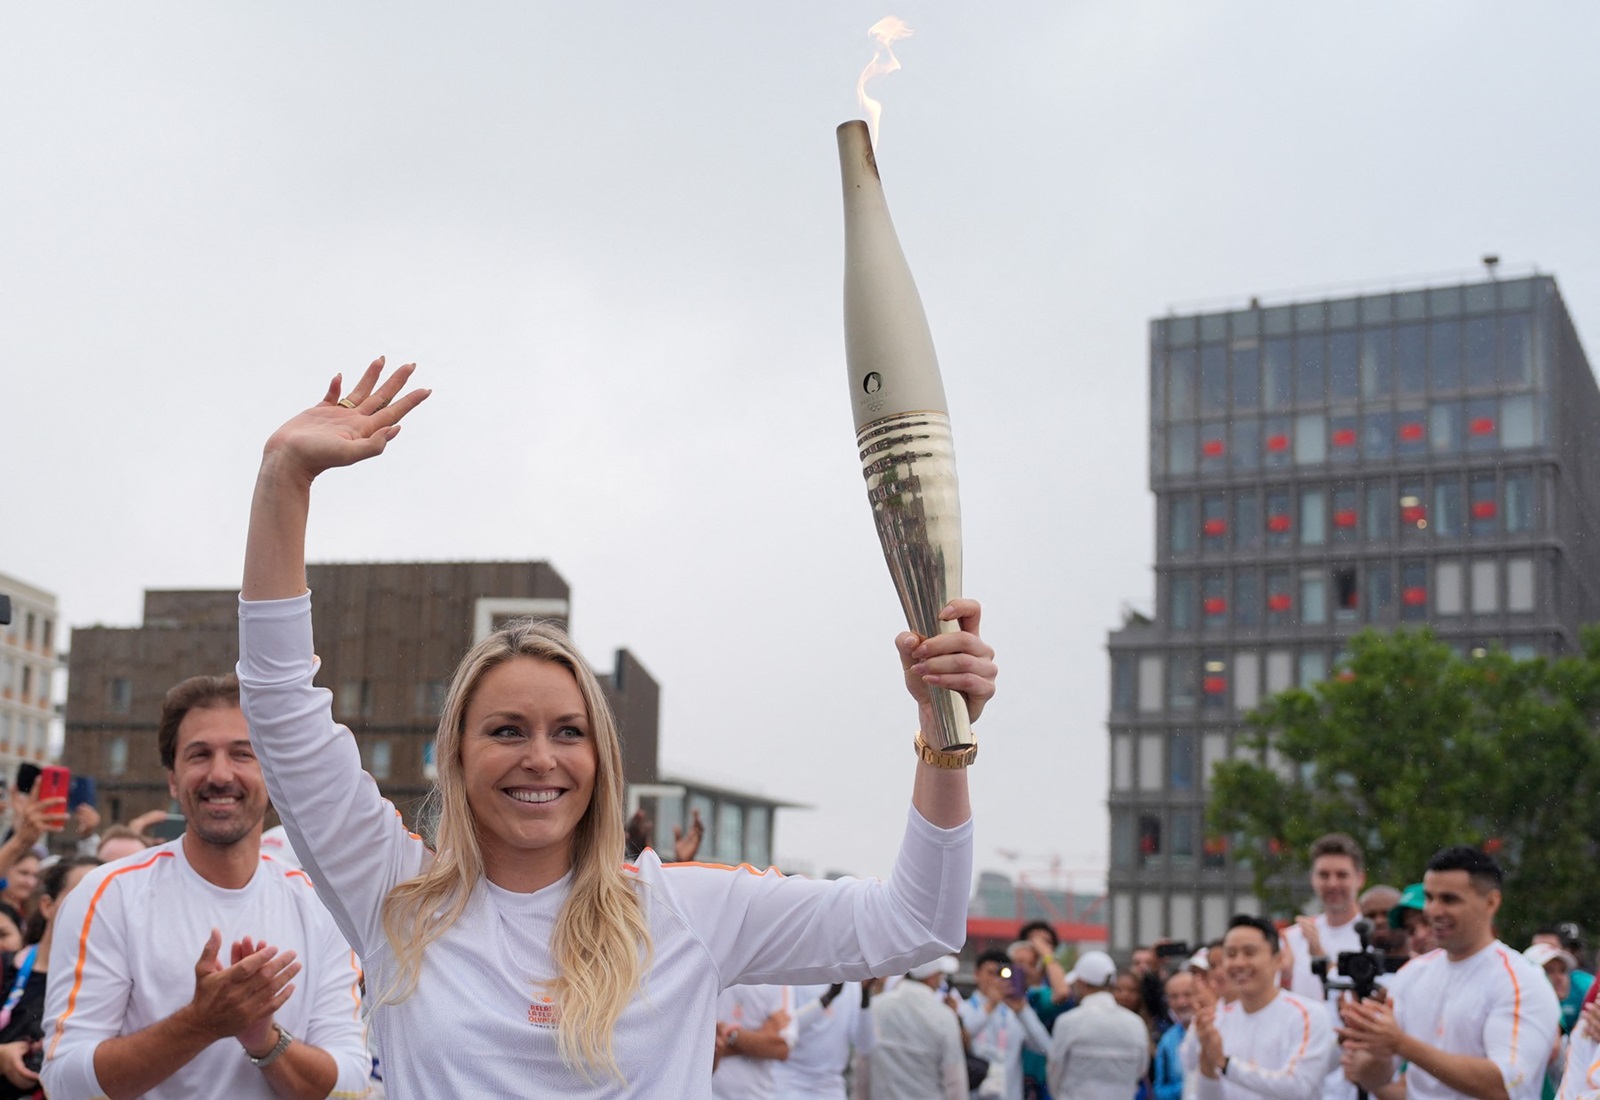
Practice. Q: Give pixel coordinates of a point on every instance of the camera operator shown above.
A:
(1473, 1019)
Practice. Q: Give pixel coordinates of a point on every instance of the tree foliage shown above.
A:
(1410, 748)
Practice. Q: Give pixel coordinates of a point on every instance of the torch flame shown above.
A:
(888, 30)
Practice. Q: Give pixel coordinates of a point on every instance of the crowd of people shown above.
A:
(537, 945)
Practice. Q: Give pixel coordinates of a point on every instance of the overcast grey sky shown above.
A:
(610, 234)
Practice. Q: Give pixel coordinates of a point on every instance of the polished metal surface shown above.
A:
(902, 424)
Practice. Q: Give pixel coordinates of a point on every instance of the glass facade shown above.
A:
(1321, 468)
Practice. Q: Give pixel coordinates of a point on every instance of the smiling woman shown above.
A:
(520, 954)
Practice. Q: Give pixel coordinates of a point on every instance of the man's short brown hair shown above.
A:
(195, 692)
(1338, 844)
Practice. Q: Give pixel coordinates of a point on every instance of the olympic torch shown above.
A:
(902, 421)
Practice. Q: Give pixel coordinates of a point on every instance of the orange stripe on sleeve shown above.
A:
(1516, 1002)
(83, 943)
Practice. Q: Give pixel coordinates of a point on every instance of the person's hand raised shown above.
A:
(341, 431)
(958, 661)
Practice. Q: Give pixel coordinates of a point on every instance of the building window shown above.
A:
(119, 695)
(1310, 439)
(1485, 587)
(1150, 774)
(1414, 592)
(1313, 597)
(1213, 380)
(1517, 426)
(1180, 601)
(1214, 601)
(757, 836)
(1520, 584)
(1276, 448)
(1346, 515)
(1411, 433)
(1183, 837)
(1213, 681)
(1343, 438)
(1280, 671)
(1123, 839)
(353, 698)
(1444, 355)
(1280, 520)
(1380, 593)
(377, 759)
(1447, 588)
(1181, 527)
(730, 832)
(1149, 840)
(47, 635)
(430, 696)
(1478, 354)
(1344, 367)
(1411, 360)
(1377, 435)
(1310, 385)
(1214, 523)
(1483, 511)
(1182, 677)
(1313, 668)
(1444, 427)
(1413, 509)
(1246, 521)
(1122, 682)
(1150, 684)
(1246, 449)
(1278, 375)
(1377, 364)
(1180, 385)
(1346, 594)
(1280, 600)
(1516, 349)
(1313, 517)
(1122, 762)
(1180, 449)
(1246, 598)
(1213, 751)
(1448, 511)
(1519, 502)
(1246, 368)
(1246, 681)
(1180, 761)
(27, 680)
(116, 755)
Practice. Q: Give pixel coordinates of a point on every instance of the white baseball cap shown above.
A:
(1094, 968)
(944, 964)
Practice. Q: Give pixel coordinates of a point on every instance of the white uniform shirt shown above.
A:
(1335, 941)
(1581, 1078)
(916, 1052)
(999, 1035)
(127, 940)
(815, 1067)
(1281, 1051)
(1098, 1051)
(1493, 1004)
(482, 1020)
(747, 1007)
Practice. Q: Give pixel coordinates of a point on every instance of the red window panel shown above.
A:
(1215, 845)
(1481, 425)
(1414, 597)
(1346, 676)
(1213, 448)
(1278, 524)
(1413, 431)
(1414, 514)
(1345, 517)
(1484, 509)
(1214, 685)
(1215, 605)
(1277, 443)
(1215, 527)
(1344, 437)
(1279, 601)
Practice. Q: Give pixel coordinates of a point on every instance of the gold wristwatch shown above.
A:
(949, 760)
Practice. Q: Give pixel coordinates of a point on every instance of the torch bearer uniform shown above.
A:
(1281, 1051)
(483, 1019)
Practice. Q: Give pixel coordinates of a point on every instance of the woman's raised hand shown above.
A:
(341, 431)
(958, 661)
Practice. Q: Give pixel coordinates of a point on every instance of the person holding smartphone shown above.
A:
(518, 954)
(1000, 1023)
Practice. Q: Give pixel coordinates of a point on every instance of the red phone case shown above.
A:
(54, 782)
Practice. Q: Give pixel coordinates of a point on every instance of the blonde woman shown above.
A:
(521, 957)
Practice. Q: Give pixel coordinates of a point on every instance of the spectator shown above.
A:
(1474, 1018)
(1375, 903)
(833, 1023)
(1049, 992)
(1409, 914)
(1558, 965)
(1338, 872)
(11, 925)
(1167, 1076)
(118, 841)
(24, 976)
(1565, 937)
(1270, 1041)
(999, 1022)
(1129, 993)
(918, 1054)
(1100, 1050)
(755, 1028)
(141, 1016)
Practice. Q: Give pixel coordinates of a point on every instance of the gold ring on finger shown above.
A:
(347, 403)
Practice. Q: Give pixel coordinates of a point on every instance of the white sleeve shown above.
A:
(1301, 979)
(974, 1018)
(764, 928)
(953, 1063)
(82, 1013)
(1035, 1037)
(1189, 1051)
(1581, 1079)
(350, 840)
(1520, 1030)
(1309, 1041)
(1058, 1057)
(336, 1026)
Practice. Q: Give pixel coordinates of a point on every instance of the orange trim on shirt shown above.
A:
(83, 943)
(726, 867)
(1516, 1001)
(355, 986)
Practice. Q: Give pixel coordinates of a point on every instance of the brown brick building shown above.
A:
(389, 635)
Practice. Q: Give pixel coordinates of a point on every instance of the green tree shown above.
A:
(1409, 748)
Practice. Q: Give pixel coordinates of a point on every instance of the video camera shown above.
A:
(1359, 971)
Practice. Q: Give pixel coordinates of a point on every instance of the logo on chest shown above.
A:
(544, 1012)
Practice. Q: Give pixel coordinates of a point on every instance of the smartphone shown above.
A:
(81, 792)
(27, 776)
(1016, 981)
(1178, 950)
(54, 782)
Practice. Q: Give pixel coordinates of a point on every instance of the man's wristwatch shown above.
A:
(271, 1056)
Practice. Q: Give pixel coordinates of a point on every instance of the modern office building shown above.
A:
(389, 636)
(28, 660)
(1424, 456)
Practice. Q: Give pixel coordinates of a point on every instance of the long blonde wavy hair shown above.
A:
(601, 944)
